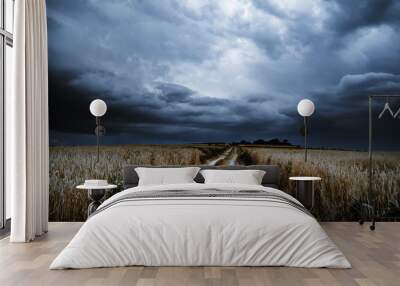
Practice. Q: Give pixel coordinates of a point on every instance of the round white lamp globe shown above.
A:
(98, 107)
(305, 107)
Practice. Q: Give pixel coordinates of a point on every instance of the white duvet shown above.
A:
(193, 231)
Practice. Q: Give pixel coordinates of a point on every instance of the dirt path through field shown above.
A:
(228, 157)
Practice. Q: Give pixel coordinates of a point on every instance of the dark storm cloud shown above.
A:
(177, 71)
(370, 83)
(349, 16)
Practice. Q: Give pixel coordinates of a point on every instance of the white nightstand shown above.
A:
(305, 192)
(95, 194)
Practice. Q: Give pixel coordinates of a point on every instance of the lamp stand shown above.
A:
(97, 137)
(305, 139)
(99, 131)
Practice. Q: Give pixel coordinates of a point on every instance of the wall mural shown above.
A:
(218, 82)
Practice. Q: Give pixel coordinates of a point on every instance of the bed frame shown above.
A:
(270, 179)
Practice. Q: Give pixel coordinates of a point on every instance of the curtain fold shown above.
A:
(28, 156)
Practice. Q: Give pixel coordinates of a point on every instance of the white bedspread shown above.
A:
(193, 231)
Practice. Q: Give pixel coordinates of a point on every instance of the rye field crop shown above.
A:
(345, 186)
(70, 166)
(340, 195)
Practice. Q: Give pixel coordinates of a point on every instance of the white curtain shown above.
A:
(27, 153)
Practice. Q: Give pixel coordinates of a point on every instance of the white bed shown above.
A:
(202, 231)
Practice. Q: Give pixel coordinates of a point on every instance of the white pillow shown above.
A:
(166, 176)
(248, 177)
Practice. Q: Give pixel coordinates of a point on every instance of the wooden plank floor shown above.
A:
(375, 257)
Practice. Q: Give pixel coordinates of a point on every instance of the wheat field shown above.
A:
(344, 186)
(70, 166)
(343, 189)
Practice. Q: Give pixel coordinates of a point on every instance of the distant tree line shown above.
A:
(271, 142)
(274, 141)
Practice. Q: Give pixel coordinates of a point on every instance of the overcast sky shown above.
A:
(182, 71)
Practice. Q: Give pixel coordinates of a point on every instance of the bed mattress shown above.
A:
(201, 225)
